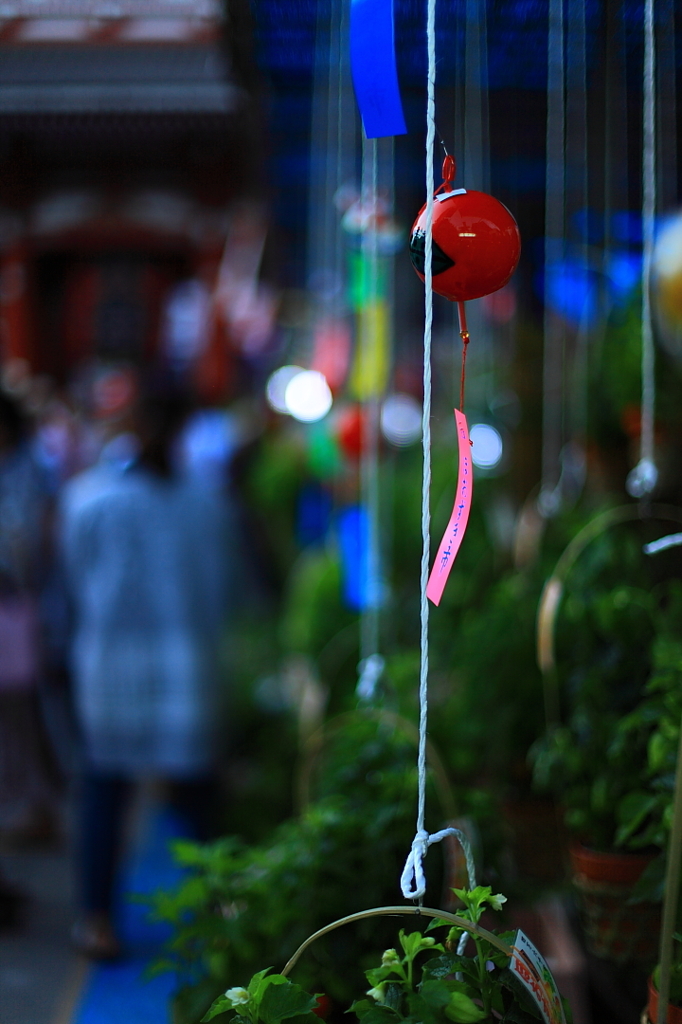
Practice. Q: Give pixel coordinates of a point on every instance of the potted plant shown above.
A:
(663, 706)
(608, 755)
(425, 981)
(602, 760)
(241, 904)
(674, 1015)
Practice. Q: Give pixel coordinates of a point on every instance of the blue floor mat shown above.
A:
(118, 993)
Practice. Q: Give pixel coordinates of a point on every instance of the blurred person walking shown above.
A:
(28, 773)
(146, 556)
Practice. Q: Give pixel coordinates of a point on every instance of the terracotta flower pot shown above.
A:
(674, 1015)
(612, 868)
(615, 929)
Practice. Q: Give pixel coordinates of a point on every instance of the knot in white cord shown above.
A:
(414, 866)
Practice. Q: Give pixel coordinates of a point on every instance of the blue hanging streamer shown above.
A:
(353, 534)
(375, 77)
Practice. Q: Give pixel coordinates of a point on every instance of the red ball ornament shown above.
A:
(476, 242)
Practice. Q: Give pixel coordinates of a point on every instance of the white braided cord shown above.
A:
(412, 880)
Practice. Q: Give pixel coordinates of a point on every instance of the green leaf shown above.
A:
(415, 941)
(519, 994)
(658, 752)
(442, 966)
(650, 886)
(436, 922)
(422, 1012)
(632, 811)
(393, 997)
(435, 994)
(283, 999)
(361, 1006)
(375, 975)
(220, 1005)
(463, 1010)
(499, 958)
(258, 984)
(369, 1012)
(159, 966)
(518, 1015)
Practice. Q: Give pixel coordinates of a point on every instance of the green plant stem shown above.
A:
(672, 888)
(482, 976)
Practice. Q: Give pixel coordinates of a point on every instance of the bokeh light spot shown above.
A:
(277, 385)
(307, 396)
(487, 447)
(401, 420)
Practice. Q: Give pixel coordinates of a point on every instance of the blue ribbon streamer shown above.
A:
(373, 67)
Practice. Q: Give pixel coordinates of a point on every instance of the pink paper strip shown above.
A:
(454, 534)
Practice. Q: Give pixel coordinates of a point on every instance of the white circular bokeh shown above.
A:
(307, 396)
(401, 420)
(277, 385)
(487, 447)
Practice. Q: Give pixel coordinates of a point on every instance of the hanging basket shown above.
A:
(554, 587)
(615, 929)
(409, 911)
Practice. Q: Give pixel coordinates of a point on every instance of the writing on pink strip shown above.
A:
(454, 533)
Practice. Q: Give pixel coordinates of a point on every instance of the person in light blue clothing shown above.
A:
(146, 561)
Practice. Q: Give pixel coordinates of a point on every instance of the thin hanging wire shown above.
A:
(330, 286)
(334, 164)
(476, 175)
(318, 213)
(476, 119)
(344, 114)
(615, 181)
(369, 466)
(573, 463)
(666, 107)
(613, 138)
(553, 330)
(642, 480)
(332, 157)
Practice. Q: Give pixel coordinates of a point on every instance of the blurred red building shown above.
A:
(127, 141)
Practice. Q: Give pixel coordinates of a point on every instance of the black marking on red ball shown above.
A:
(440, 261)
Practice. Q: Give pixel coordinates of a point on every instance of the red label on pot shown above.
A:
(533, 973)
